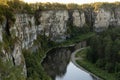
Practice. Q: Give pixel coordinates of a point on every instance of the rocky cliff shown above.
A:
(107, 18)
(53, 24)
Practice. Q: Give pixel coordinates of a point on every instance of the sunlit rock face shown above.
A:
(25, 29)
(107, 18)
(102, 19)
(24, 32)
(0, 33)
(78, 18)
(2, 26)
(117, 16)
(18, 58)
(54, 24)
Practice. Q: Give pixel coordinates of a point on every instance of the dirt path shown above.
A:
(73, 59)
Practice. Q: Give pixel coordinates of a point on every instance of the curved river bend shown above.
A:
(58, 66)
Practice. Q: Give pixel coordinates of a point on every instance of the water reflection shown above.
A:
(56, 61)
(57, 64)
(74, 73)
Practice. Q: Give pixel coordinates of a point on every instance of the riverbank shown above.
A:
(34, 59)
(91, 67)
(70, 42)
(74, 59)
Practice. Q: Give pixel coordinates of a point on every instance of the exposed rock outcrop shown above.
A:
(54, 24)
(102, 19)
(107, 18)
(78, 18)
(25, 29)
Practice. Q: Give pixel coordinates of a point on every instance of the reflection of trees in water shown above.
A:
(56, 61)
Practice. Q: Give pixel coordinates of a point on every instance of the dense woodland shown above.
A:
(104, 51)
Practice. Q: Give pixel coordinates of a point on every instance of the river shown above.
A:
(58, 66)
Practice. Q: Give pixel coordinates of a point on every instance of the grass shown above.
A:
(92, 68)
(77, 39)
(81, 53)
(71, 41)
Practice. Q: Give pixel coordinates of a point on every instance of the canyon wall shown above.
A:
(53, 24)
(107, 18)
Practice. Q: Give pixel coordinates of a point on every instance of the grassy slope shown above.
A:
(77, 39)
(92, 68)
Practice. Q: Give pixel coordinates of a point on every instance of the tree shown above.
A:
(108, 46)
(72, 6)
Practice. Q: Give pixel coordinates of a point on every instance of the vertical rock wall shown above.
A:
(53, 23)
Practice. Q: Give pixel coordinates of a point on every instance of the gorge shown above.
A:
(55, 25)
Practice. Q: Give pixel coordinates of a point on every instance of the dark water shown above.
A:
(57, 64)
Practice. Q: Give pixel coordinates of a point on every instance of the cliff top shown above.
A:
(9, 8)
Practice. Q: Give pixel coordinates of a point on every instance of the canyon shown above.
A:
(52, 23)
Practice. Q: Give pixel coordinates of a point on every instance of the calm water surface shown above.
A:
(57, 64)
(74, 73)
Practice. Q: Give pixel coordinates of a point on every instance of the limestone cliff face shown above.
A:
(107, 18)
(0, 33)
(24, 29)
(102, 19)
(116, 21)
(54, 24)
(78, 18)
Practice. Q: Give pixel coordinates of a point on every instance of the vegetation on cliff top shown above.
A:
(9, 7)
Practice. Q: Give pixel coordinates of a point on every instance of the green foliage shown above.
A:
(33, 60)
(118, 76)
(109, 67)
(10, 72)
(6, 12)
(100, 63)
(104, 50)
(97, 71)
(76, 31)
(2, 11)
(34, 67)
(72, 6)
(19, 6)
(3, 2)
(58, 6)
(9, 8)
(91, 56)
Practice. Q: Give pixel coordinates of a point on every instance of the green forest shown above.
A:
(104, 51)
